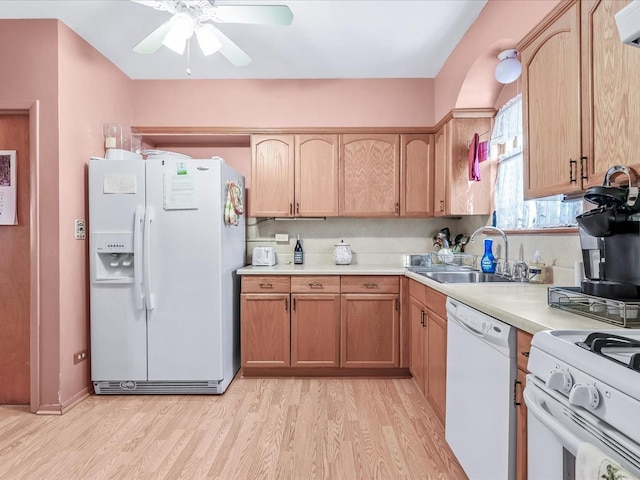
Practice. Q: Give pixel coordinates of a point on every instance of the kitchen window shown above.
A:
(512, 212)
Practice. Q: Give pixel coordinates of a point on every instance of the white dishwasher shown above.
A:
(480, 422)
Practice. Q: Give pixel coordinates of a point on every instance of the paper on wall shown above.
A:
(8, 188)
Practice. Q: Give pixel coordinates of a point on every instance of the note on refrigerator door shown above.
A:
(122, 183)
(180, 192)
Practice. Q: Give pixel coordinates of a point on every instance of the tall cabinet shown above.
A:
(578, 99)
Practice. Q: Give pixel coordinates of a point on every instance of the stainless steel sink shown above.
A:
(469, 276)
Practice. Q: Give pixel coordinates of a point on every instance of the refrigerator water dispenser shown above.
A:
(114, 257)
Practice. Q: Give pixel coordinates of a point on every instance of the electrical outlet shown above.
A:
(81, 229)
(282, 237)
(79, 356)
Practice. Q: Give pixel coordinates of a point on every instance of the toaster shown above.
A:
(263, 256)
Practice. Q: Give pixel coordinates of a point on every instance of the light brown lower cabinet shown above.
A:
(428, 326)
(370, 321)
(524, 346)
(326, 321)
(265, 330)
(315, 330)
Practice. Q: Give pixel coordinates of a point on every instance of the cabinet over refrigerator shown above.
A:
(164, 289)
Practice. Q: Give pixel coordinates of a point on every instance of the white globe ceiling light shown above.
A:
(509, 68)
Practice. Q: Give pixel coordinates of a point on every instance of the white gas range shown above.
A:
(583, 399)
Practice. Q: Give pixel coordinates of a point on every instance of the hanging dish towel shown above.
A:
(233, 208)
(593, 464)
(474, 162)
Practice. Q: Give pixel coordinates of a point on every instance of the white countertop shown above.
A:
(522, 305)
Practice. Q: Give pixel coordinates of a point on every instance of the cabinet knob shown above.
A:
(297, 208)
(315, 285)
(266, 285)
(442, 205)
(397, 207)
(286, 305)
(291, 209)
(370, 285)
(572, 179)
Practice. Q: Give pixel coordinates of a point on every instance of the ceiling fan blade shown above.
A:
(169, 6)
(153, 41)
(231, 51)
(256, 14)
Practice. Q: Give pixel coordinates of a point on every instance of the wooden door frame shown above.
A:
(32, 108)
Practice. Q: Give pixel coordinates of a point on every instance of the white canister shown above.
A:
(342, 254)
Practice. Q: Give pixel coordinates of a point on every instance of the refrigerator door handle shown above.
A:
(138, 218)
(148, 218)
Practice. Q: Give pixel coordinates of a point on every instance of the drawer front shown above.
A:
(266, 284)
(417, 291)
(315, 284)
(436, 301)
(524, 346)
(369, 284)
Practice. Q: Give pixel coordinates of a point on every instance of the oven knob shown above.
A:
(560, 380)
(584, 395)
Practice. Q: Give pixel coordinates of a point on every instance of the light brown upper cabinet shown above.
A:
(610, 97)
(416, 170)
(551, 108)
(580, 112)
(369, 175)
(454, 194)
(294, 175)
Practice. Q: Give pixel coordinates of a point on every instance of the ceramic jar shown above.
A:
(342, 254)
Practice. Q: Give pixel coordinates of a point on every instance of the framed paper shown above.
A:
(8, 188)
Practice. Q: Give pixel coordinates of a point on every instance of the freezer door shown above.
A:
(118, 318)
(184, 235)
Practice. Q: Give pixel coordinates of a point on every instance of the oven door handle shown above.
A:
(569, 440)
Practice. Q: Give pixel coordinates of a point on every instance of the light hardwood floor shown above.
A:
(292, 428)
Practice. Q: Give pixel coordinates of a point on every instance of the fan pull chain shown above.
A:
(188, 57)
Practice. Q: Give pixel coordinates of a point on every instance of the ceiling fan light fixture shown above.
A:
(207, 39)
(181, 27)
(509, 68)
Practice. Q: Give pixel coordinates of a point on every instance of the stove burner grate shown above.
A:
(597, 341)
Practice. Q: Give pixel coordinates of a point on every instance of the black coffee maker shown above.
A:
(610, 238)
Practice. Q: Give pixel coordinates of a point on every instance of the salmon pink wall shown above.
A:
(92, 91)
(284, 103)
(29, 53)
(466, 80)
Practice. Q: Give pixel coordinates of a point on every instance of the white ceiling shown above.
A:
(327, 38)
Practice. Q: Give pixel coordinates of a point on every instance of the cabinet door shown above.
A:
(437, 362)
(265, 333)
(521, 429)
(464, 196)
(369, 176)
(272, 167)
(316, 174)
(418, 329)
(416, 165)
(369, 330)
(442, 154)
(611, 116)
(551, 108)
(315, 330)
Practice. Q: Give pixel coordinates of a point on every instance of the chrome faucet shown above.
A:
(521, 271)
(506, 268)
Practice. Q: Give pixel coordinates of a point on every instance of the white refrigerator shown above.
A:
(164, 290)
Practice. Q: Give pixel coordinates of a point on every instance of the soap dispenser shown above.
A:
(488, 262)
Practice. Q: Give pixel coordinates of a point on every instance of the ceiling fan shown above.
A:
(189, 17)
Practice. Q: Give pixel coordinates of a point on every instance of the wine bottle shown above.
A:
(298, 253)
